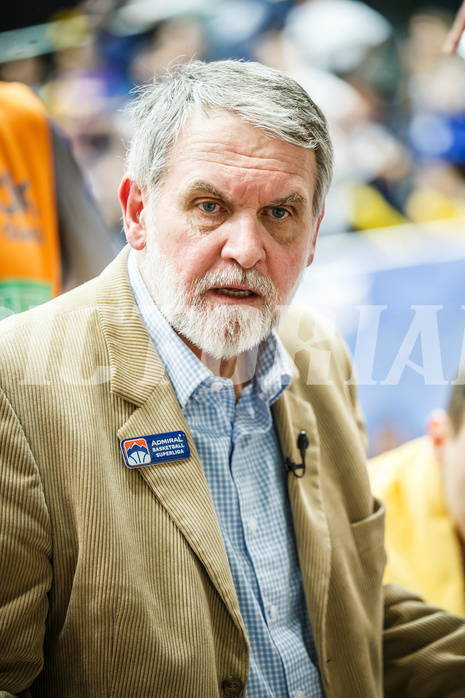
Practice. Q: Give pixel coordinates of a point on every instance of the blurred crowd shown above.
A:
(395, 102)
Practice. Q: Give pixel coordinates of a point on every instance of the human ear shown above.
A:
(132, 203)
(439, 429)
(315, 236)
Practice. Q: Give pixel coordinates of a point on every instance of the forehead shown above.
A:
(238, 155)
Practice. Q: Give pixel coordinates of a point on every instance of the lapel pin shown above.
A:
(156, 448)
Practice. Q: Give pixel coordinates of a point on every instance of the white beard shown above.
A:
(221, 330)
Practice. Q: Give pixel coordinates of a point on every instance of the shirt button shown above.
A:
(252, 524)
(299, 694)
(216, 386)
(232, 685)
(274, 612)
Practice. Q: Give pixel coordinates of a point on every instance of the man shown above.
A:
(423, 486)
(167, 529)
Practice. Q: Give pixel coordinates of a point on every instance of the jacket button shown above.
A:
(232, 685)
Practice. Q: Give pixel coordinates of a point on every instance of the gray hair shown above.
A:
(262, 96)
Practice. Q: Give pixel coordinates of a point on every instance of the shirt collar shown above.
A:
(268, 364)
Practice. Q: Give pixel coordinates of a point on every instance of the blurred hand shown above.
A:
(455, 34)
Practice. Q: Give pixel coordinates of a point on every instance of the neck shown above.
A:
(236, 368)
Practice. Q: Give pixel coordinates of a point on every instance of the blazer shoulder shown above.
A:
(83, 295)
(316, 347)
(102, 289)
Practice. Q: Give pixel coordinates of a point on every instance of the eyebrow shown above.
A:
(209, 189)
(293, 198)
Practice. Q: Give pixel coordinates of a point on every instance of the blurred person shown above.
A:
(378, 188)
(435, 133)
(85, 95)
(436, 86)
(438, 192)
(357, 89)
(173, 41)
(185, 503)
(423, 486)
(51, 234)
(30, 71)
(235, 28)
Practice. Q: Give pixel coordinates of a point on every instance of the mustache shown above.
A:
(253, 279)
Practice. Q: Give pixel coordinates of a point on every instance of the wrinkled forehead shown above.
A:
(228, 144)
(203, 120)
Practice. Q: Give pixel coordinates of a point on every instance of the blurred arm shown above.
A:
(86, 243)
(455, 34)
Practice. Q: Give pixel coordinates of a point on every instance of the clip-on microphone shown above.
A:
(302, 445)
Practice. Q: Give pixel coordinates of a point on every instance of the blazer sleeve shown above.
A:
(25, 558)
(424, 648)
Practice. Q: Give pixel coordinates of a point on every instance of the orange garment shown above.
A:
(30, 267)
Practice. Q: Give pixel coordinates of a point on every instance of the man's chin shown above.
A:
(222, 331)
(228, 344)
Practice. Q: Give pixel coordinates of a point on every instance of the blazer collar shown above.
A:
(134, 363)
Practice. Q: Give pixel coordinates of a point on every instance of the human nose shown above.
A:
(244, 242)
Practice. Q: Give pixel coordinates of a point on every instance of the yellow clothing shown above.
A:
(428, 204)
(423, 551)
(370, 209)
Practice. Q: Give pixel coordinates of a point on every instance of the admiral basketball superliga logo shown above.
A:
(137, 452)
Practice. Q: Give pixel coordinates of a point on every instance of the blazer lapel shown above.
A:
(139, 377)
(291, 414)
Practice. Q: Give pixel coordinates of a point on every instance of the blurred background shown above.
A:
(389, 269)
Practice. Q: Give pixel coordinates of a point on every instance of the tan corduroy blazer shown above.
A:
(115, 581)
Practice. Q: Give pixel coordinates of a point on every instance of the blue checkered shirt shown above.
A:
(240, 455)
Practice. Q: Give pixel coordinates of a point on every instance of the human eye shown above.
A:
(208, 206)
(278, 213)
